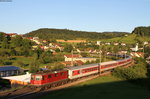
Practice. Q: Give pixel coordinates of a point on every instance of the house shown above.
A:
(35, 38)
(34, 47)
(137, 54)
(116, 43)
(72, 57)
(44, 47)
(107, 43)
(76, 57)
(11, 34)
(145, 43)
(86, 59)
(9, 71)
(45, 41)
(123, 44)
(56, 45)
(122, 52)
(30, 38)
(148, 59)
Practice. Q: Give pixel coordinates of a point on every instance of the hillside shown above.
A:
(142, 31)
(66, 34)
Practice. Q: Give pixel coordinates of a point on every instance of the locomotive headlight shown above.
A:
(55, 71)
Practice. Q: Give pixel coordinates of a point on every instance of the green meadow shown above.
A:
(106, 87)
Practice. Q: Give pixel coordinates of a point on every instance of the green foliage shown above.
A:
(147, 50)
(5, 43)
(57, 50)
(17, 41)
(20, 63)
(66, 34)
(138, 71)
(2, 36)
(56, 66)
(34, 66)
(130, 39)
(38, 53)
(46, 57)
(84, 54)
(68, 48)
(103, 87)
(142, 31)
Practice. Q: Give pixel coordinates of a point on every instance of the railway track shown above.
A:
(28, 92)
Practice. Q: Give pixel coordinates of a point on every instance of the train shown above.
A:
(60, 77)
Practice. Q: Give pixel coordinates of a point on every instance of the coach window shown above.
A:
(49, 76)
(56, 75)
(78, 72)
(62, 74)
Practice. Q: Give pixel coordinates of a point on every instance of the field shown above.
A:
(24, 60)
(107, 87)
(130, 39)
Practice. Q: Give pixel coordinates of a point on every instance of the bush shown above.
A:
(137, 71)
(136, 74)
(7, 63)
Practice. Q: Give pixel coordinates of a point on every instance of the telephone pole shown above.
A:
(72, 58)
(99, 56)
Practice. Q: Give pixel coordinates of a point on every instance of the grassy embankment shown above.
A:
(107, 87)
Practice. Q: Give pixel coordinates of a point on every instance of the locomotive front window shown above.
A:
(43, 78)
(38, 77)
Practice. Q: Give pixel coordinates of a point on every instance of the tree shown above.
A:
(46, 57)
(38, 52)
(17, 41)
(5, 43)
(34, 66)
(142, 31)
(68, 48)
(2, 36)
(13, 52)
(57, 50)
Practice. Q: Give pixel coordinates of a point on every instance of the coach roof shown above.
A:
(90, 65)
(82, 66)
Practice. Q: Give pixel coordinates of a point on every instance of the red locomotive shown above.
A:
(71, 73)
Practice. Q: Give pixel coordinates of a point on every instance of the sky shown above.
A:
(23, 16)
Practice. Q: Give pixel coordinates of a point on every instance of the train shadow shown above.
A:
(132, 89)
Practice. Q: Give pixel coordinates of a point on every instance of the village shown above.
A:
(80, 52)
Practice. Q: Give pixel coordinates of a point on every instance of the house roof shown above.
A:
(79, 62)
(137, 54)
(7, 68)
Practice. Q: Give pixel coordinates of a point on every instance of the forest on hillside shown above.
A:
(142, 31)
(46, 33)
